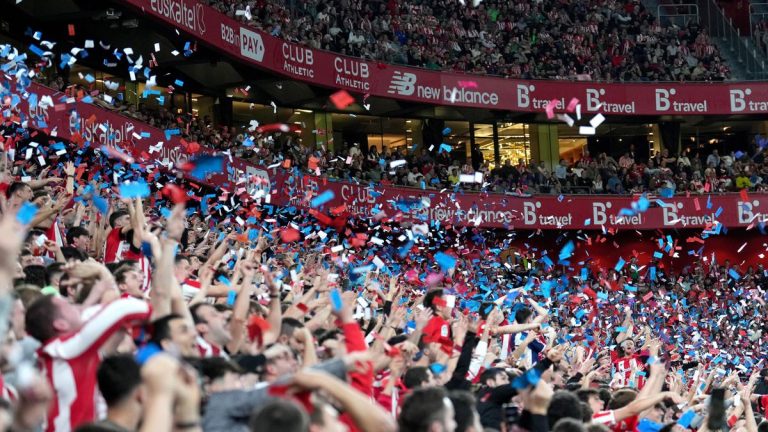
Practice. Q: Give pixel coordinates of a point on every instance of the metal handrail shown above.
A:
(754, 12)
(722, 27)
(671, 12)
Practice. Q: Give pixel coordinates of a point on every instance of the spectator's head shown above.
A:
(436, 301)
(51, 316)
(564, 404)
(72, 253)
(182, 269)
(465, 412)
(119, 380)
(494, 377)
(280, 415)
(79, 238)
(569, 425)
(621, 398)
(418, 377)
(280, 360)
(53, 273)
(129, 280)
(174, 335)
(427, 410)
(287, 329)
(211, 324)
(592, 398)
(220, 374)
(19, 192)
(523, 315)
(119, 219)
(324, 417)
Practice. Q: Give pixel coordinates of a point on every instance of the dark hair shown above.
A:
(422, 408)
(415, 377)
(464, 411)
(161, 328)
(15, 187)
(763, 426)
(76, 232)
(116, 215)
(429, 298)
(118, 377)
(490, 373)
(194, 312)
(70, 252)
(568, 425)
(52, 270)
(564, 404)
(122, 272)
(522, 315)
(39, 319)
(35, 275)
(621, 398)
(213, 368)
(289, 325)
(179, 258)
(584, 394)
(280, 415)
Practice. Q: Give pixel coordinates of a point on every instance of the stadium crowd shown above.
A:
(605, 40)
(179, 306)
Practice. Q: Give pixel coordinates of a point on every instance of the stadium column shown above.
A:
(545, 145)
(496, 147)
(324, 122)
(666, 135)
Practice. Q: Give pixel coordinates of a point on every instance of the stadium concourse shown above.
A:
(140, 292)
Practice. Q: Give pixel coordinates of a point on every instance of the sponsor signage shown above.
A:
(595, 212)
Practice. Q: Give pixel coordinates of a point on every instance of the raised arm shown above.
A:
(366, 415)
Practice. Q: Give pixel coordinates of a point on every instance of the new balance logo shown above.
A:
(403, 83)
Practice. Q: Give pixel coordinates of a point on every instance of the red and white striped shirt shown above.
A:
(70, 363)
(608, 418)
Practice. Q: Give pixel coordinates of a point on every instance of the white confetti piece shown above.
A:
(597, 120)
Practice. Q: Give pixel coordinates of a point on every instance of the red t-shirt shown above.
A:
(438, 330)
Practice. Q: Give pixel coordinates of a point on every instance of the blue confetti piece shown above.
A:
(322, 198)
(620, 264)
(26, 213)
(101, 204)
(231, 295)
(658, 255)
(134, 190)
(643, 204)
(437, 368)
(445, 148)
(718, 212)
(446, 131)
(445, 261)
(205, 165)
(567, 250)
(709, 201)
(179, 83)
(224, 280)
(630, 288)
(733, 274)
(336, 302)
(686, 419)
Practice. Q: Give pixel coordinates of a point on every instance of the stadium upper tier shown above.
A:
(603, 40)
(296, 60)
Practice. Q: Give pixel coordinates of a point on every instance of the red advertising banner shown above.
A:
(447, 88)
(471, 209)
